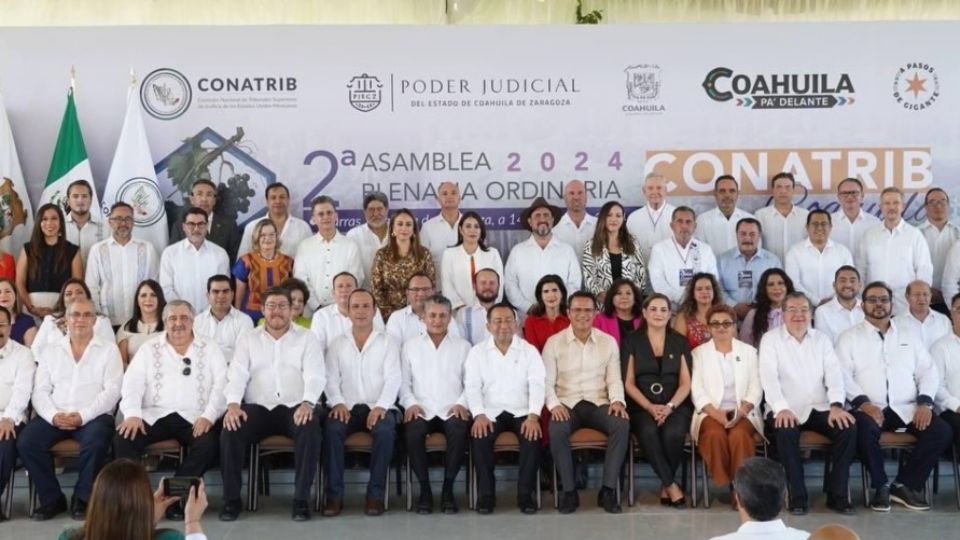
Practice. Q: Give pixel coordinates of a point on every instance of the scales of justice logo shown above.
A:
(365, 92)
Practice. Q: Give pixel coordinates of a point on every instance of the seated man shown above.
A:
(946, 356)
(890, 381)
(17, 368)
(277, 372)
(504, 384)
(431, 392)
(758, 490)
(332, 321)
(363, 379)
(173, 389)
(76, 388)
(803, 386)
(583, 389)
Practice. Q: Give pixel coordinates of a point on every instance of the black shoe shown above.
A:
(448, 503)
(901, 494)
(527, 504)
(425, 502)
(51, 510)
(78, 509)
(840, 504)
(881, 499)
(799, 506)
(664, 501)
(230, 510)
(607, 499)
(174, 512)
(679, 503)
(485, 504)
(301, 510)
(568, 502)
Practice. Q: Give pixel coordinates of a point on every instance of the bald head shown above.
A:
(655, 190)
(448, 195)
(918, 297)
(575, 197)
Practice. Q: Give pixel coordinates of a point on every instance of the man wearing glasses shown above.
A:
(940, 235)
(850, 221)
(803, 387)
(408, 323)
(274, 383)
(77, 386)
(173, 389)
(890, 381)
(186, 266)
(812, 263)
(116, 266)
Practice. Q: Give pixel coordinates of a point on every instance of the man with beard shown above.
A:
(650, 224)
(890, 381)
(372, 235)
(538, 256)
(674, 260)
(173, 389)
(222, 322)
(741, 267)
(220, 230)
(273, 386)
(186, 266)
(81, 228)
(718, 227)
(292, 230)
(473, 319)
(576, 226)
(845, 309)
(334, 320)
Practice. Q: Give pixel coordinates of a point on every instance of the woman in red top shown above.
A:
(549, 315)
(8, 266)
(702, 293)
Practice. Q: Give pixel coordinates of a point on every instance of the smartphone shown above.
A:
(179, 486)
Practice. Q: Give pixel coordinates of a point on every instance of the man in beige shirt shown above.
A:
(578, 396)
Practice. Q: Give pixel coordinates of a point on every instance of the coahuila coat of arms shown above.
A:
(643, 82)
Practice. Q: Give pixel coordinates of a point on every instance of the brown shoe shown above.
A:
(333, 507)
(374, 507)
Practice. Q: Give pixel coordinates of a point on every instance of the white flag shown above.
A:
(16, 214)
(133, 179)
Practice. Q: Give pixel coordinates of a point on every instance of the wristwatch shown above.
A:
(671, 405)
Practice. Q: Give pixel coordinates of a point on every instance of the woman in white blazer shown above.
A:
(464, 259)
(726, 393)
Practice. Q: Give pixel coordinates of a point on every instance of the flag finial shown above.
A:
(73, 79)
(133, 77)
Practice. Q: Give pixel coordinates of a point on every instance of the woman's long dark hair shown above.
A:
(482, 242)
(610, 311)
(764, 304)
(392, 249)
(121, 504)
(689, 305)
(539, 309)
(131, 325)
(600, 239)
(60, 309)
(37, 244)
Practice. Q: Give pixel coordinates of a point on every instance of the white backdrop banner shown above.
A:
(509, 113)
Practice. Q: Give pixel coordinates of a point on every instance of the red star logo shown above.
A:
(916, 85)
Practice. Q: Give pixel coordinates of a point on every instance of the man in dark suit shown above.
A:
(221, 231)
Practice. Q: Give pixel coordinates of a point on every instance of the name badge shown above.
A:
(686, 274)
(745, 279)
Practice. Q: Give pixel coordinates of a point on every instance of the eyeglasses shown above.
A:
(937, 203)
(119, 219)
(853, 193)
(720, 324)
(419, 289)
(194, 224)
(795, 310)
(877, 299)
(819, 224)
(186, 363)
(278, 307)
(85, 315)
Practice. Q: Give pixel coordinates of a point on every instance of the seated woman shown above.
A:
(726, 395)
(702, 293)
(622, 312)
(773, 287)
(549, 315)
(46, 262)
(299, 294)
(23, 329)
(612, 254)
(658, 384)
(147, 320)
(122, 506)
(264, 267)
(54, 326)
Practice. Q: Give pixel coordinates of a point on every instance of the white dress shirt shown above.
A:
(432, 376)
(473, 323)
(92, 232)
(405, 325)
(582, 371)
(576, 237)
(933, 327)
(295, 230)
(779, 232)
(328, 323)
(437, 235)
(319, 260)
(939, 241)
(368, 243)
(513, 382)
(671, 266)
(272, 372)
(892, 370)
(224, 332)
(711, 376)
(154, 385)
(759, 530)
(950, 285)
(113, 273)
(895, 257)
(832, 318)
(368, 376)
(812, 270)
(50, 332)
(456, 281)
(718, 231)
(649, 226)
(17, 368)
(946, 356)
(799, 376)
(184, 271)
(848, 232)
(90, 386)
(528, 263)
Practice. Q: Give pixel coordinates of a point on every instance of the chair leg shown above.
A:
(409, 486)
(556, 492)
(693, 475)
(8, 501)
(864, 480)
(386, 492)
(631, 489)
(706, 484)
(252, 477)
(31, 496)
(318, 502)
(956, 474)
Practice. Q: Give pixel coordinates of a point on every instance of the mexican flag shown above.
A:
(69, 163)
(16, 216)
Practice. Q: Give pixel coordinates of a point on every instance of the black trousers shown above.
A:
(260, 424)
(483, 457)
(335, 434)
(415, 435)
(843, 446)
(201, 451)
(34, 444)
(950, 417)
(8, 457)
(931, 442)
(662, 445)
(587, 415)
